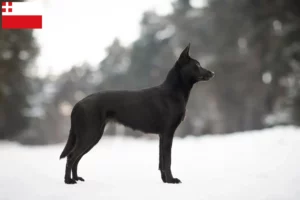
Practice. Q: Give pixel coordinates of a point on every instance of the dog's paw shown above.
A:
(173, 181)
(70, 181)
(78, 179)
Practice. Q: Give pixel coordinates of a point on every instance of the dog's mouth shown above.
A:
(206, 77)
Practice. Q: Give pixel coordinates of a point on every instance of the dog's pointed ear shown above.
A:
(184, 56)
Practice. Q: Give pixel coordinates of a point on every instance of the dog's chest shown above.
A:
(183, 115)
(178, 108)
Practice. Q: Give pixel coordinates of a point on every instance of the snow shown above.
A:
(257, 165)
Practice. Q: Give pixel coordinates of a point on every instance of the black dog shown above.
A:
(157, 110)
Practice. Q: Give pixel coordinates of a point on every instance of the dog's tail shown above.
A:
(69, 146)
(72, 135)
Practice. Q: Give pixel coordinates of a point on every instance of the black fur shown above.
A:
(156, 110)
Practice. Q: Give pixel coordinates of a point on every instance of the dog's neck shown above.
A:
(175, 82)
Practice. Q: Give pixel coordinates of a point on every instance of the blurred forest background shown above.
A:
(253, 46)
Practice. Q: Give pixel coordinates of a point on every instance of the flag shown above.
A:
(22, 15)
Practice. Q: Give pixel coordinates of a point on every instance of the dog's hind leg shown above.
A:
(75, 166)
(83, 144)
(80, 148)
(68, 179)
(85, 137)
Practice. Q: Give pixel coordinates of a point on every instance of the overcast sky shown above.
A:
(76, 30)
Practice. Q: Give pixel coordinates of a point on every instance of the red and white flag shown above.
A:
(22, 15)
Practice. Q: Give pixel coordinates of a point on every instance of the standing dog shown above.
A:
(157, 110)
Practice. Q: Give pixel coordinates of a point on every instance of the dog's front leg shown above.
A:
(165, 149)
(163, 177)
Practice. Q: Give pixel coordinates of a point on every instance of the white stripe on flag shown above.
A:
(24, 8)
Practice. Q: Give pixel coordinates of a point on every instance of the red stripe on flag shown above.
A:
(21, 21)
(6, 4)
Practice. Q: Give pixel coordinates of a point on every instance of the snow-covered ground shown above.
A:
(261, 165)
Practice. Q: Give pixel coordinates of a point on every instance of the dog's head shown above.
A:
(191, 70)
